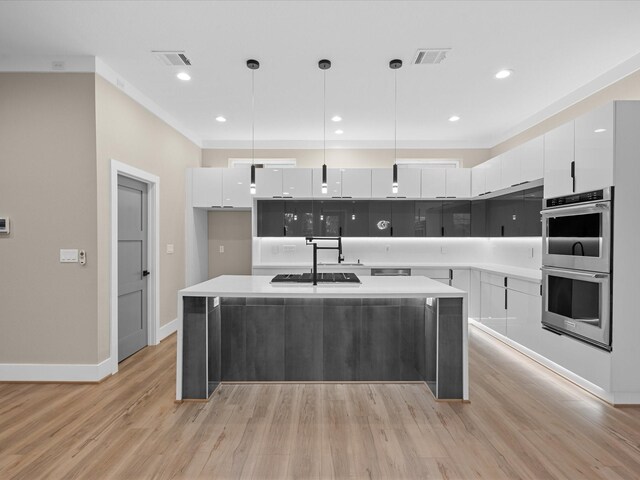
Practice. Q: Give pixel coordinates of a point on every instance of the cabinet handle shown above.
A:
(573, 175)
(391, 230)
(277, 196)
(505, 299)
(502, 230)
(450, 274)
(505, 281)
(442, 231)
(441, 197)
(340, 231)
(284, 231)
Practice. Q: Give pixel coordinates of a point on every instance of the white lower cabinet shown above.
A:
(493, 313)
(524, 314)
(442, 275)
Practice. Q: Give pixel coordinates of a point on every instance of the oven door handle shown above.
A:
(586, 208)
(574, 273)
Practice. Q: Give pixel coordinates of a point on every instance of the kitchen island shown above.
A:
(241, 328)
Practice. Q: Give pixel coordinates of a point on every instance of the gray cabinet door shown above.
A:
(132, 262)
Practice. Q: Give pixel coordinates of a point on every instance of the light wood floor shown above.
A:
(522, 422)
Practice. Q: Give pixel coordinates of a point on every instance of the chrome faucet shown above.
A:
(316, 247)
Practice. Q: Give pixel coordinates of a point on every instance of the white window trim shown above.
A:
(428, 162)
(263, 162)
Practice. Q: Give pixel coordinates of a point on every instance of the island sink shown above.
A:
(320, 278)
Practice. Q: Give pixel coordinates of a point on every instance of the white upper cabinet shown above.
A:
(478, 178)
(235, 187)
(206, 189)
(408, 183)
(493, 174)
(334, 183)
(434, 183)
(531, 159)
(268, 182)
(458, 183)
(381, 179)
(558, 157)
(594, 149)
(510, 166)
(296, 182)
(356, 183)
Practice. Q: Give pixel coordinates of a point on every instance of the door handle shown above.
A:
(146, 273)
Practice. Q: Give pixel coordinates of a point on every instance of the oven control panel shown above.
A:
(578, 198)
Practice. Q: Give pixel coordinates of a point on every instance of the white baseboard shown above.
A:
(559, 369)
(167, 329)
(44, 372)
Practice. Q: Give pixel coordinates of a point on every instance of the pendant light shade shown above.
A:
(395, 65)
(253, 65)
(324, 65)
(394, 184)
(324, 179)
(252, 187)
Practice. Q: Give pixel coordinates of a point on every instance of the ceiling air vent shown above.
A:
(175, 58)
(430, 56)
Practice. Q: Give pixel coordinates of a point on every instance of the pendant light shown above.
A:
(253, 65)
(395, 65)
(324, 66)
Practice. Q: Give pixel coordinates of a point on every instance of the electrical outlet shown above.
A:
(169, 247)
(288, 249)
(221, 249)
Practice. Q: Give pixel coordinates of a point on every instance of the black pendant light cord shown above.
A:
(324, 117)
(324, 65)
(395, 65)
(253, 117)
(253, 65)
(395, 116)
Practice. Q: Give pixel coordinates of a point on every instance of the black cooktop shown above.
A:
(322, 278)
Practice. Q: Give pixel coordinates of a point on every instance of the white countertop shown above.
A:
(527, 274)
(259, 286)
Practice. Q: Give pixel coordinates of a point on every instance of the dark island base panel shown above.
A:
(321, 339)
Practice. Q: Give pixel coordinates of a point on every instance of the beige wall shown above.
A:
(345, 158)
(232, 230)
(627, 88)
(48, 188)
(129, 133)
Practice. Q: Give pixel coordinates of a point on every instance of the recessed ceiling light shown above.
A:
(599, 130)
(184, 76)
(221, 119)
(454, 118)
(336, 118)
(339, 132)
(503, 74)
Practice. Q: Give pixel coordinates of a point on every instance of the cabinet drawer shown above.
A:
(523, 286)
(434, 273)
(492, 279)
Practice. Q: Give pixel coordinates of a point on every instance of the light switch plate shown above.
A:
(221, 249)
(169, 247)
(68, 255)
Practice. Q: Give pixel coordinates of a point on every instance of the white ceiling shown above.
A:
(556, 48)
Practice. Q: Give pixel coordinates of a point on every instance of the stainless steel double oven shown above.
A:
(576, 272)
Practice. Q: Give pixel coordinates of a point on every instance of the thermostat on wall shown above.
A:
(4, 225)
